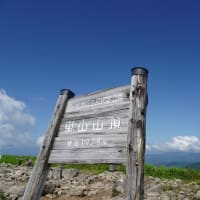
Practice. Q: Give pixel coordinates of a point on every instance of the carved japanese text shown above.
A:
(94, 102)
(99, 124)
(86, 142)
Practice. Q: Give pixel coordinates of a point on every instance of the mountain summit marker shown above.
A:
(106, 126)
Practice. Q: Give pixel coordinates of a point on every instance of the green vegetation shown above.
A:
(172, 173)
(2, 197)
(14, 160)
(168, 188)
(195, 166)
(96, 168)
(162, 172)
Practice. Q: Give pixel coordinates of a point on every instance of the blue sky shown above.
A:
(90, 45)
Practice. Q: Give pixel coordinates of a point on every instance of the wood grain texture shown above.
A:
(97, 111)
(90, 156)
(99, 99)
(38, 176)
(92, 126)
(92, 141)
(136, 138)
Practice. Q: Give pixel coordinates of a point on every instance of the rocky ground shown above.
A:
(73, 184)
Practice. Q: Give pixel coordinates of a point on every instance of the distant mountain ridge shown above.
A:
(194, 166)
(174, 159)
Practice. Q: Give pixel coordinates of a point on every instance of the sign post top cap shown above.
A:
(139, 71)
(66, 92)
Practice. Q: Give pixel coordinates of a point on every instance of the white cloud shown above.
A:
(178, 143)
(40, 140)
(152, 147)
(15, 122)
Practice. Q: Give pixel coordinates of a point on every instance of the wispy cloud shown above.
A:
(178, 143)
(40, 140)
(15, 122)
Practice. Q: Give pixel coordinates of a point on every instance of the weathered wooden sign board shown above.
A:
(107, 126)
(93, 129)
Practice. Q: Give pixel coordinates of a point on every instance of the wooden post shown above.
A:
(136, 134)
(112, 168)
(38, 176)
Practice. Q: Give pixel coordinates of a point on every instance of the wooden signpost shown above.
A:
(102, 127)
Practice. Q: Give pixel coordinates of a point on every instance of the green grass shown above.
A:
(150, 170)
(13, 159)
(2, 197)
(172, 173)
(195, 166)
(96, 168)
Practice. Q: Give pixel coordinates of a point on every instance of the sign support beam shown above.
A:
(40, 171)
(136, 134)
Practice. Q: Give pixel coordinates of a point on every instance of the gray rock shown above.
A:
(97, 185)
(50, 187)
(4, 187)
(120, 185)
(108, 186)
(55, 173)
(197, 195)
(13, 197)
(17, 190)
(78, 191)
(155, 188)
(70, 173)
(164, 197)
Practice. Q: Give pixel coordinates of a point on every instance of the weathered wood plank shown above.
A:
(136, 134)
(83, 135)
(98, 111)
(99, 99)
(92, 141)
(111, 155)
(124, 113)
(36, 181)
(121, 130)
